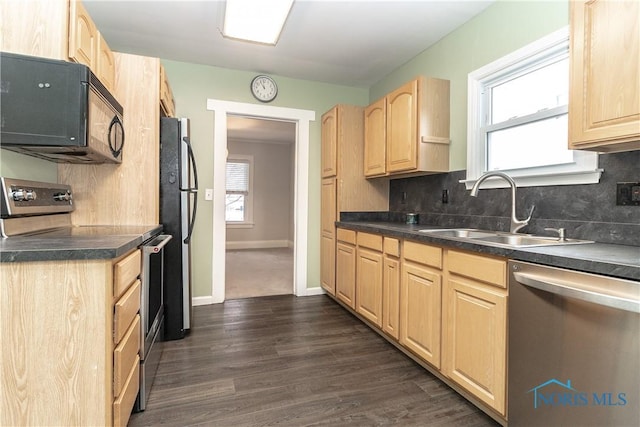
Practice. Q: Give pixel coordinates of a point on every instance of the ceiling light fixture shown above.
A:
(259, 21)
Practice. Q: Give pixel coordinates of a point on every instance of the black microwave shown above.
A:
(58, 110)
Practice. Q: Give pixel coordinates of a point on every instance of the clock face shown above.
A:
(264, 88)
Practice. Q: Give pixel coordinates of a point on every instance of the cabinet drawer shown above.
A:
(424, 254)
(123, 405)
(125, 271)
(125, 310)
(483, 268)
(371, 241)
(125, 355)
(391, 246)
(347, 236)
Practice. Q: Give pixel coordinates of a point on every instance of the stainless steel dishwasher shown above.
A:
(574, 348)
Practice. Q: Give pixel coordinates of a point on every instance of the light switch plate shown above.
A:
(208, 194)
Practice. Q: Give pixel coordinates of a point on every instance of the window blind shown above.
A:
(237, 177)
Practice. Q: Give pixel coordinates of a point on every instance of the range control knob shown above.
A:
(62, 197)
(22, 195)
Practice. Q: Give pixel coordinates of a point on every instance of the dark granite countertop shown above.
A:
(75, 243)
(599, 258)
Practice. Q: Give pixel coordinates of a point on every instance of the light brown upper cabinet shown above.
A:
(604, 93)
(106, 64)
(375, 135)
(330, 143)
(83, 36)
(88, 47)
(412, 128)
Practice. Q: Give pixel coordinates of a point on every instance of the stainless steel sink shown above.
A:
(498, 238)
(529, 241)
(460, 232)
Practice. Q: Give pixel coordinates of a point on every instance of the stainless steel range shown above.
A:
(41, 212)
(32, 207)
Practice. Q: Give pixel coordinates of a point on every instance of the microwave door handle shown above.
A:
(115, 122)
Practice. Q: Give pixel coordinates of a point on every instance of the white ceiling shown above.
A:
(353, 43)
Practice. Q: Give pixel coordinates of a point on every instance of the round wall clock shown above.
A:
(264, 88)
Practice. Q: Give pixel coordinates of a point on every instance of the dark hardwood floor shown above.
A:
(291, 361)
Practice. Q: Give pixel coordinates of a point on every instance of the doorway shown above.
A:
(302, 119)
(259, 207)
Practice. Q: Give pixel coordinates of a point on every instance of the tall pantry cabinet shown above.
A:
(344, 187)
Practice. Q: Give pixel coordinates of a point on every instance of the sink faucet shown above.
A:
(516, 224)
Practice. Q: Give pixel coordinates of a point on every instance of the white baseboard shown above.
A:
(207, 300)
(290, 244)
(313, 291)
(258, 244)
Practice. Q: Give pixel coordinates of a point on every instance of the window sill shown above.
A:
(240, 224)
(568, 178)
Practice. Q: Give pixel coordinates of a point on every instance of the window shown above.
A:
(517, 118)
(239, 195)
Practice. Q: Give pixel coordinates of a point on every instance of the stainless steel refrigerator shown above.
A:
(178, 207)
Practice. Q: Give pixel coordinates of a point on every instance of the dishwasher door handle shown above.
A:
(548, 284)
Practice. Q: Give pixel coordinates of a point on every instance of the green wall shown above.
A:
(192, 85)
(501, 29)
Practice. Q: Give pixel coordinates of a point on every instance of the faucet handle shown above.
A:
(560, 231)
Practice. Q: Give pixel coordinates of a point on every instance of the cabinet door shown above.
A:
(328, 263)
(402, 128)
(328, 206)
(604, 94)
(106, 65)
(391, 296)
(375, 137)
(474, 350)
(421, 290)
(83, 36)
(346, 274)
(330, 143)
(369, 285)
(327, 242)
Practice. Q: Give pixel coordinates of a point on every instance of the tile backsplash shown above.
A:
(585, 211)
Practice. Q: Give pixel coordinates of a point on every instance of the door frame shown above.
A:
(221, 110)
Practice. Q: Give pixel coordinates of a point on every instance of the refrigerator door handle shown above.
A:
(193, 190)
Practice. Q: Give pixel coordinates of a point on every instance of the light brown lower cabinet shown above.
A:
(369, 278)
(346, 267)
(73, 358)
(420, 304)
(447, 307)
(475, 326)
(391, 288)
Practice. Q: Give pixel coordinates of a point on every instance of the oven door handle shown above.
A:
(548, 284)
(157, 244)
